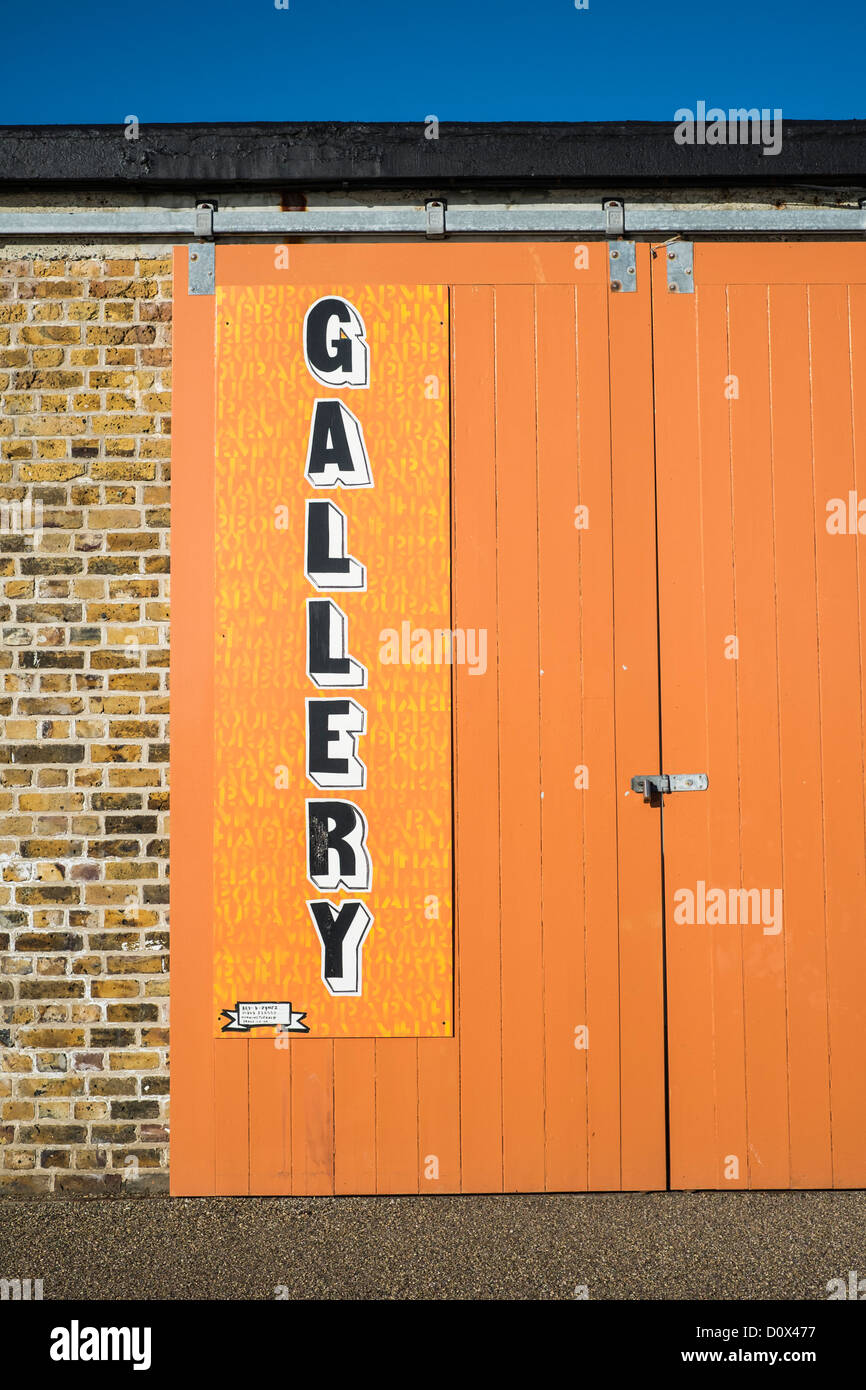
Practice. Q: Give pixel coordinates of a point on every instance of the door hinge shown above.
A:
(621, 259)
(202, 258)
(681, 263)
(620, 253)
(655, 785)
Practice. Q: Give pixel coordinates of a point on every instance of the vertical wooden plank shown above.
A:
(635, 662)
(231, 1116)
(841, 728)
(683, 662)
(439, 1059)
(397, 1168)
(848, 1168)
(800, 740)
(562, 808)
(715, 827)
(193, 1135)
(354, 1115)
(312, 1109)
(270, 1085)
(765, 1000)
(596, 622)
(477, 791)
(520, 806)
(438, 1115)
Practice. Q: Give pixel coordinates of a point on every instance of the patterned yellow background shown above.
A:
(265, 945)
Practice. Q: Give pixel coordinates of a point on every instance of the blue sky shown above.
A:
(377, 60)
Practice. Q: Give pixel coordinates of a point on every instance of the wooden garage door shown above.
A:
(550, 1073)
(760, 391)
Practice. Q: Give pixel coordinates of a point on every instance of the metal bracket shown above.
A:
(202, 258)
(620, 254)
(655, 785)
(681, 261)
(435, 210)
(561, 219)
(614, 217)
(621, 259)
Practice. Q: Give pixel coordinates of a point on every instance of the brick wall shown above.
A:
(84, 472)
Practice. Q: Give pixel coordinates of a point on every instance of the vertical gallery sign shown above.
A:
(332, 835)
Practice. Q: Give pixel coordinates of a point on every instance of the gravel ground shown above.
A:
(619, 1246)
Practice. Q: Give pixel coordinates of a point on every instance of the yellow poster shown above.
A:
(333, 663)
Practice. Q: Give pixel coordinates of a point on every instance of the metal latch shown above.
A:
(655, 785)
(435, 210)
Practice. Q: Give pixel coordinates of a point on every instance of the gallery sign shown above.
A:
(332, 760)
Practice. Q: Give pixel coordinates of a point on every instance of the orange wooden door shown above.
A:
(553, 1077)
(760, 392)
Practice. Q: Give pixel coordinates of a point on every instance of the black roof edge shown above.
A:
(328, 154)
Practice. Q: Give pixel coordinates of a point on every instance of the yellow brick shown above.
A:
(48, 801)
(134, 777)
(106, 894)
(89, 588)
(19, 403)
(83, 311)
(20, 728)
(134, 1061)
(57, 289)
(123, 469)
(104, 518)
(123, 424)
(103, 380)
(44, 425)
(143, 636)
(50, 472)
(53, 333)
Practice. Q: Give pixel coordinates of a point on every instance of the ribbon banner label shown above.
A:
(333, 759)
(266, 1014)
